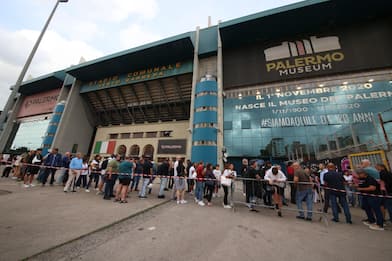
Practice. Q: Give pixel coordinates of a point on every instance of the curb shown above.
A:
(97, 230)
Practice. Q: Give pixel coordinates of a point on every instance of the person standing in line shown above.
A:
(163, 172)
(103, 166)
(217, 173)
(244, 170)
(290, 177)
(75, 168)
(138, 174)
(29, 159)
(125, 169)
(386, 177)
(252, 176)
(52, 162)
(191, 178)
(226, 181)
(209, 183)
(276, 179)
(335, 180)
(94, 172)
(111, 177)
(348, 178)
(147, 175)
(304, 191)
(199, 184)
(63, 173)
(175, 174)
(33, 169)
(188, 167)
(82, 180)
(267, 197)
(322, 171)
(180, 182)
(371, 203)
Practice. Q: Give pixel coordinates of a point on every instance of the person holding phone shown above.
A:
(276, 179)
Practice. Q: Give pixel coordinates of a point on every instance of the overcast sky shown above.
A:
(94, 28)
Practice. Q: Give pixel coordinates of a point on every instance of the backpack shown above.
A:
(105, 164)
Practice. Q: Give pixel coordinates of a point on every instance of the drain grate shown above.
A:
(4, 192)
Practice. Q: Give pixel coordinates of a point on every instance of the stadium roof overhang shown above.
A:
(300, 19)
(43, 83)
(169, 50)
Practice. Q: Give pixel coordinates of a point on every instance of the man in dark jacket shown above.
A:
(52, 162)
(334, 182)
(250, 182)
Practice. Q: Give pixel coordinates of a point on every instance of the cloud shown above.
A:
(134, 35)
(54, 53)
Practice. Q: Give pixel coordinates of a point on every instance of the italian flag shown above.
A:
(104, 147)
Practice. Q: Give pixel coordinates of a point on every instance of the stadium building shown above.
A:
(307, 81)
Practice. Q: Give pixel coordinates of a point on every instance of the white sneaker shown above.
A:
(14, 178)
(184, 201)
(196, 200)
(32, 185)
(77, 187)
(376, 227)
(26, 186)
(87, 190)
(96, 189)
(178, 202)
(201, 203)
(366, 223)
(226, 206)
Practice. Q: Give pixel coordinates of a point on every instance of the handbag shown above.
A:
(225, 181)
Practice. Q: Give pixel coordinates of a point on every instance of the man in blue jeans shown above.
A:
(147, 176)
(163, 172)
(334, 180)
(371, 203)
(304, 191)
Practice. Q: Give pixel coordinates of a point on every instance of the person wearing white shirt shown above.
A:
(217, 173)
(276, 179)
(229, 174)
(191, 178)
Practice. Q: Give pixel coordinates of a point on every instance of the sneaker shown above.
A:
(201, 203)
(367, 223)
(196, 200)
(376, 227)
(226, 206)
(77, 187)
(280, 213)
(96, 189)
(183, 201)
(178, 202)
(209, 204)
(26, 186)
(32, 185)
(87, 190)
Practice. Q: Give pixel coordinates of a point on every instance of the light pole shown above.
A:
(12, 101)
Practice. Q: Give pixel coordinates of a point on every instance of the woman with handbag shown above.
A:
(226, 180)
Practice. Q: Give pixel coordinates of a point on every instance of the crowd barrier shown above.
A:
(195, 179)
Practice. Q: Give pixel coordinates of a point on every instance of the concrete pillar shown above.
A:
(9, 119)
(194, 82)
(220, 98)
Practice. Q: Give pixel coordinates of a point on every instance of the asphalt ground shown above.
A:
(190, 232)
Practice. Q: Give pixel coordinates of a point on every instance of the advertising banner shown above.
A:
(172, 147)
(39, 103)
(316, 54)
(307, 121)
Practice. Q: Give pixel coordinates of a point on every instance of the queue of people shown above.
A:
(116, 177)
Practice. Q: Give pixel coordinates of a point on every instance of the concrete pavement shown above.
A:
(189, 232)
(36, 219)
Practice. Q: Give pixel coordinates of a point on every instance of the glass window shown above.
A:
(30, 134)
(138, 134)
(125, 135)
(151, 134)
(245, 124)
(227, 125)
(113, 136)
